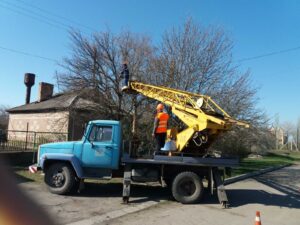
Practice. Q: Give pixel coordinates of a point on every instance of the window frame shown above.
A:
(95, 126)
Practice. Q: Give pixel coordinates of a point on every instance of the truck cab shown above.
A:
(96, 155)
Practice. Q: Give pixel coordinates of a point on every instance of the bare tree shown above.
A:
(291, 132)
(3, 117)
(94, 70)
(196, 58)
(199, 59)
(189, 57)
(290, 128)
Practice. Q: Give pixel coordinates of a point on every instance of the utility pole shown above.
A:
(276, 130)
(297, 138)
(276, 138)
(288, 141)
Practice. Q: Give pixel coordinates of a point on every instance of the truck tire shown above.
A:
(59, 178)
(187, 187)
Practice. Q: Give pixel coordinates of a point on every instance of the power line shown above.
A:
(32, 16)
(57, 15)
(270, 54)
(35, 15)
(28, 54)
(31, 12)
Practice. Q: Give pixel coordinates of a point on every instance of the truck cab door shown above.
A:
(99, 147)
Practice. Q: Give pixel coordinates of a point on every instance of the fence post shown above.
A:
(34, 140)
(26, 137)
(34, 143)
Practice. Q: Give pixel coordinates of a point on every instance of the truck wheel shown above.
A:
(59, 178)
(187, 188)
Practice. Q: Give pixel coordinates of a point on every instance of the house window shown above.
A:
(101, 134)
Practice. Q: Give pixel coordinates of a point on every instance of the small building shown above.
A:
(280, 135)
(63, 115)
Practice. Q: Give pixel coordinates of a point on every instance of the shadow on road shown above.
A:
(142, 192)
(285, 180)
(21, 179)
(245, 197)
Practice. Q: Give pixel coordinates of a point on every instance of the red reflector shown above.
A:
(32, 169)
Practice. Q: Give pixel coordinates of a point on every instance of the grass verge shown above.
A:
(23, 175)
(271, 159)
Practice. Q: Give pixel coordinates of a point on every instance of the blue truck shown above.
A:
(100, 154)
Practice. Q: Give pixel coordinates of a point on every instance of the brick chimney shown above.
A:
(45, 91)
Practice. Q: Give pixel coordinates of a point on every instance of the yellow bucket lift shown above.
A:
(204, 118)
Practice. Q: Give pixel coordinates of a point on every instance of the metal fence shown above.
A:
(15, 140)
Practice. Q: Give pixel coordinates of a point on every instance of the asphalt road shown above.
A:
(276, 195)
(96, 200)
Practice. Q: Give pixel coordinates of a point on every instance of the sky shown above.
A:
(34, 35)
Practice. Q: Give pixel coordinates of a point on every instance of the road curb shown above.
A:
(253, 174)
(115, 214)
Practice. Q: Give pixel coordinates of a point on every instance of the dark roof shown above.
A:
(57, 102)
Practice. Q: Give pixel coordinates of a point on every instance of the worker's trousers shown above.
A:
(160, 140)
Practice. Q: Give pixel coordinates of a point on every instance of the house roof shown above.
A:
(57, 102)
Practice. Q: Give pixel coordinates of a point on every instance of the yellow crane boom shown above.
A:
(204, 118)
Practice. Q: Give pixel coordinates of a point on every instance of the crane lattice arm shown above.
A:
(202, 116)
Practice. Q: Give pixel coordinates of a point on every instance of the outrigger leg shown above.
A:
(126, 184)
(215, 178)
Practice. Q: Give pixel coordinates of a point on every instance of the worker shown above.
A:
(160, 127)
(125, 75)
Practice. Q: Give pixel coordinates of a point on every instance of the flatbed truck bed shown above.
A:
(180, 173)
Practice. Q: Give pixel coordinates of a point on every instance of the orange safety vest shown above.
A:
(162, 122)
